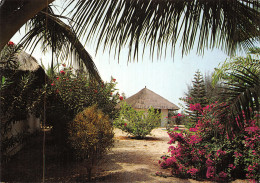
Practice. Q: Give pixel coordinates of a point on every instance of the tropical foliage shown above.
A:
(224, 144)
(70, 93)
(240, 93)
(21, 93)
(137, 123)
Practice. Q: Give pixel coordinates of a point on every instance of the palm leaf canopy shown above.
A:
(240, 96)
(48, 29)
(226, 24)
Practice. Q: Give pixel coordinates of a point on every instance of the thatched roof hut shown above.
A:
(26, 63)
(146, 98)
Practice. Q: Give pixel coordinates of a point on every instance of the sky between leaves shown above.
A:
(167, 76)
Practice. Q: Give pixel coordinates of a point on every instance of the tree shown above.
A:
(196, 97)
(198, 91)
(240, 96)
(229, 25)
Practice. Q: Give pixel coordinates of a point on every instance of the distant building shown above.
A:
(146, 98)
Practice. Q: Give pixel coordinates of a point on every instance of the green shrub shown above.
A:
(69, 94)
(90, 136)
(137, 123)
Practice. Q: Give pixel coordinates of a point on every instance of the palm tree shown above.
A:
(230, 25)
(240, 93)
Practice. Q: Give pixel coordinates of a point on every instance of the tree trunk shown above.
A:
(13, 17)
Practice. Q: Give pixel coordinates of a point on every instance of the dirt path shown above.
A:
(129, 160)
(136, 160)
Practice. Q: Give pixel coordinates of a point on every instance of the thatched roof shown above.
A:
(27, 62)
(146, 98)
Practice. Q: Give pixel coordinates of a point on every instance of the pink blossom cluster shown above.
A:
(196, 107)
(201, 153)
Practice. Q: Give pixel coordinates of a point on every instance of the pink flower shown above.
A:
(62, 72)
(222, 174)
(52, 84)
(252, 129)
(125, 124)
(10, 43)
(254, 152)
(209, 162)
(176, 128)
(210, 172)
(57, 78)
(250, 168)
(121, 98)
(166, 117)
(192, 171)
(179, 115)
(231, 166)
(237, 154)
(193, 129)
(220, 152)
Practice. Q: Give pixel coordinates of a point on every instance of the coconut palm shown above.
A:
(155, 24)
(46, 27)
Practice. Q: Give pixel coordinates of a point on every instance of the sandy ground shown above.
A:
(130, 160)
(134, 160)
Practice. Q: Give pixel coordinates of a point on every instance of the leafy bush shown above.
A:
(78, 92)
(21, 94)
(70, 94)
(90, 135)
(207, 151)
(137, 123)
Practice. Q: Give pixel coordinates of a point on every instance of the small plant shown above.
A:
(137, 123)
(90, 136)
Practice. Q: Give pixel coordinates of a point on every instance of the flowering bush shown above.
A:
(78, 92)
(70, 94)
(137, 123)
(208, 151)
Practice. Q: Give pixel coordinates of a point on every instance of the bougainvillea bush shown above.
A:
(207, 151)
(137, 123)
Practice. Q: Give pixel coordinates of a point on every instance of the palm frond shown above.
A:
(241, 97)
(228, 25)
(54, 34)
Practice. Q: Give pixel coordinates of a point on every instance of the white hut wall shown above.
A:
(30, 125)
(164, 120)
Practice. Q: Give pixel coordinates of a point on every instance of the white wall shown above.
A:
(31, 125)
